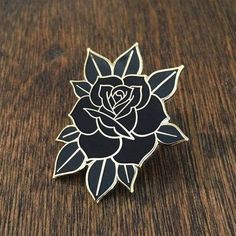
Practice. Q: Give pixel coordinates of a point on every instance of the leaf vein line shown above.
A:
(81, 88)
(96, 66)
(126, 173)
(164, 81)
(127, 65)
(100, 177)
(73, 154)
(66, 135)
(172, 135)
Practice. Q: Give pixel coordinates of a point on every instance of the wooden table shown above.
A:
(188, 189)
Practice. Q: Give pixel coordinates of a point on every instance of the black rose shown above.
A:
(119, 119)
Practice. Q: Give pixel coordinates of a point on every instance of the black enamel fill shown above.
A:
(139, 81)
(101, 175)
(128, 121)
(82, 119)
(128, 63)
(110, 81)
(98, 146)
(69, 159)
(106, 130)
(118, 121)
(91, 71)
(82, 88)
(150, 117)
(133, 151)
(108, 121)
(169, 134)
(163, 82)
(126, 174)
(68, 134)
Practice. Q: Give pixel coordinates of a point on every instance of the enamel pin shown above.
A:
(117, 122)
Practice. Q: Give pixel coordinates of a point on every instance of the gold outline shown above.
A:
(63, 141)
(185, 138)
(131, 188)
(164, 122)
(108, 190)
(180, 69)
(69, 172)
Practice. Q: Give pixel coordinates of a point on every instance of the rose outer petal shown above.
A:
(135, 151)
(111, 80)
(150, 117)
(98, 146)
(84, 122)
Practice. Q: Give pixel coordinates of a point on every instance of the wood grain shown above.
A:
(188, 189)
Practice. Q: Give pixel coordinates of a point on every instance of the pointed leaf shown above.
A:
(96, 65)
(170, 134)
(101, 178)
(81, 88)
(164, 82)
(127, 175)
(130, 62)
(70, 160)
(68, 134)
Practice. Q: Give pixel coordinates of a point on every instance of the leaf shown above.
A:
(130, 62)
(170, 134)
(81, 88)
(164, 82)
(68, 134)
(96, 65)
(70, 159)
(101, 178)
(127, 175)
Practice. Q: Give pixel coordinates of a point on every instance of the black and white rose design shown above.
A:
(118, 121)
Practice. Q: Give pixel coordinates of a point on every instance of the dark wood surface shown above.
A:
(188, 189)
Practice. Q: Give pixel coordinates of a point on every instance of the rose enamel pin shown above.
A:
(117, 122)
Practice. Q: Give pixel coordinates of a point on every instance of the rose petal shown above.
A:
(98, 146)
(150, 117)
(126, 107)
(84, 122)
(118, 96)
(107, 112)
(110, 80)
(121, 107)
(112, 101)
(126, 93)
(104, 94)
(137, 150)
(107, 131)
(132, 80)
(110, 122)
(129, 120)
